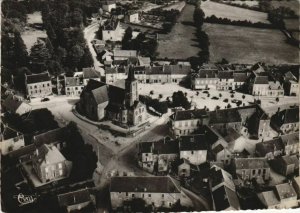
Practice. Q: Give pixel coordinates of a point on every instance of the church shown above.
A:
(119, 103)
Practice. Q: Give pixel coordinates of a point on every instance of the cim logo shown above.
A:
(25, 199)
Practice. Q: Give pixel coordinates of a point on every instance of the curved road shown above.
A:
(89, 34)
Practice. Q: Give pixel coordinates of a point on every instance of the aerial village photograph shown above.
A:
(149, 105)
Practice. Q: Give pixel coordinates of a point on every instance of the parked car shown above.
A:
(225, 100)
(45, 99)
(215, 98)
(205, 91)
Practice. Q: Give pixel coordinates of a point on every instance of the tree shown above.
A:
(21, 54)
(243, 96)
(39, 55)
(151, 92)
(180, 100)
(277, 99)
(198, 17)
(75, 55)
(126, 41)
(228, 106)
(160, 96)
(220, 95)
(87, 59)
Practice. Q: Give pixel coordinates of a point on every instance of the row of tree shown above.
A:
(243, 23)
(202, 36)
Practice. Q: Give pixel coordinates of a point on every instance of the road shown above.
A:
(89, 34)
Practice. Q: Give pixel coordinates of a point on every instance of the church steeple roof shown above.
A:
(130, 76)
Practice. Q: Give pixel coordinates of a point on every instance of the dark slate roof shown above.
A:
(251, 163)
(116, 95)
(218, 149)
(52, 136)
(11, 104)
(225, 198)
(73, 81)
(93, 84)
(193, 142)
(158, 184)
(90, 73)
(225, 74)
(290, 139)
(110, 24)
(130, 76)
(225, 116)
(240, 77)
(266, 147)
(36, 78)
(291, 115)
(111, 70)
(261, 80)
(125, 53)
(100, 94)
(145, 147)
(165, 147)
(74, 197)
(289, 76)
(189, 114)
(206, 74)
(120, 62)
(230, 135)
(156, 70)
(177, 69)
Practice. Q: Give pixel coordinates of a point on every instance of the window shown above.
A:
(149, 195)
(192, 152)
(253, 172)
(60, 165)
(162, 195)
(132, 195)
(126, 194)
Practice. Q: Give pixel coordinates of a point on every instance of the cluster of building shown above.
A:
(212, 147)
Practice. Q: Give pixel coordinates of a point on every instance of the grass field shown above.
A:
(34, 18)
(292, 4)
(30, 36)
(233, 13)
(248, 3)
(249, 45)
(181, 42)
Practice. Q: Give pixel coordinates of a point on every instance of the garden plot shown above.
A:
(233, 13)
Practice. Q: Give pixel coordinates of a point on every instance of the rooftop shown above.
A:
(224, 198)
(73, 81)
(125, 53)
(157, 184)
(90, 73)
(285, 191)
(251, 163)
(37, 78)
(48, 154)
(74, 197)
(225, 116)
(189, 114)
(193, 142)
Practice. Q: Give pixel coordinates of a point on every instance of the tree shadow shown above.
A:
(188, 23)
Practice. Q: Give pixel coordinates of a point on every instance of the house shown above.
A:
(158, 191)
(224, 119)
(144, 61)
(260, 86)
(117, 103)
(249, 168)
(132, 17)
(223, 190)
(291, 143)
(78, 200)
(286, 121)
(186, 169)
(236, 142)
(114, 74)
(38, 85)
(112, 30)
(296, 185)
(286, 165)
(187, 121)
(98, 45)
(73, 86)
(225, 80)
(108, 6)
(90, 73)
(13, 105)
(11, 141)
(205, 78)
(49, 164)
(124, 54)
(239, 79)
(256, 120)
(291, 84)
(222, 154)
(283, 196)
(193, 148)
(270, 149)
(158, 156)
(275, 89)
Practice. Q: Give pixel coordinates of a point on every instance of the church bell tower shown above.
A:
(131, 88)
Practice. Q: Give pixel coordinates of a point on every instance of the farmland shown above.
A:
(249, 45)
(233, 13)
(181, 42)
(248, 3)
